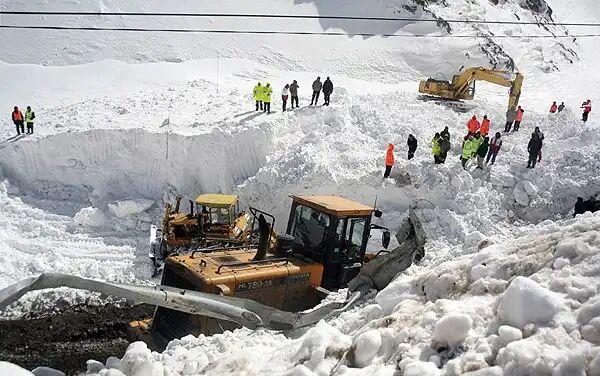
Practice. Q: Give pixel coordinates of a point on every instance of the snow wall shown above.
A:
(104, 165)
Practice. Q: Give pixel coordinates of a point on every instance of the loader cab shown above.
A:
(333, 231)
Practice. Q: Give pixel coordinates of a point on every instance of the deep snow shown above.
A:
(508, 283)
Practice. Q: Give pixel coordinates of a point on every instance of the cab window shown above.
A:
(310, 226)
(355, 236)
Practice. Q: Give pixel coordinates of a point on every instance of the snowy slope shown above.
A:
(111, 130)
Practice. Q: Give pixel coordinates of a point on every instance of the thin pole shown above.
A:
(218, 58)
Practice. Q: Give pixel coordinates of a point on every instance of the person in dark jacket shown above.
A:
(444, 146)
(445, 133)
(579, 206)
(316, 86)
(534, 147)
(294, 93)
(412, 146)
(482, 151)
(511, 114)
(561, 107)
(541, 137)
(327, 90)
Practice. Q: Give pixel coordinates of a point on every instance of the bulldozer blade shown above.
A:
(245, 312)
(379, 272)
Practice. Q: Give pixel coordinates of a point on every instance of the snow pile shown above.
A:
(90, 216)
(129, 206)
(13, 370)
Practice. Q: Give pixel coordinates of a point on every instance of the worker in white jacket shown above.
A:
(284, 95)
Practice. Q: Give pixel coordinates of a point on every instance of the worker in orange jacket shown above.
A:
(518, 119)
(18, 120)
(485, 126)
(389, 160)
(473, 125)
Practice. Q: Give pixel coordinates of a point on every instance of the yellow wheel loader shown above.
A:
(269, 285)
(462, 86)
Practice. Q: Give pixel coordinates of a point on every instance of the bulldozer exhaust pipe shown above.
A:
(263, 241)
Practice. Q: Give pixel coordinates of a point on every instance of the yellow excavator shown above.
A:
(323, 249)
(462, 86)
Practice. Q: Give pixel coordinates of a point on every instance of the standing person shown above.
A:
(541, 137)
(482, 151)
(436, 148)
(587, 108)
(495, 146)
(412, 146)
(445, 133)
(316, 86)
(266, 97)
(444, 146)
(29, 116)
(17, 118)
(518, 119)
(294, 93)
(257, 94)
(485, 126)
(534, 147)
(553, 108)
(511, 114)
(473, 125)
(468, 150)
(284, 95)
(327, 90)
(389, 160)
(561, 107)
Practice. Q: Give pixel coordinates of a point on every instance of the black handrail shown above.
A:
(239, 263)
(206, 250)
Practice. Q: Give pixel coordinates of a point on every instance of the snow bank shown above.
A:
(526, 302)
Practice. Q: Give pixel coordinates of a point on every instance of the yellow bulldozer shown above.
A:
(462, 86)
(270, 284)
(217, 221)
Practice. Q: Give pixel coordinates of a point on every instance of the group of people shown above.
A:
(20, 121)
(262, 94)
(586, 106)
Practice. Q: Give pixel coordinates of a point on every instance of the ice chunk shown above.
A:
(47, 371)
(571, 248)
(7, 368)
(90, 216)
(94, 366)
(524, 302)
(129, 206)
(367, 346)
(421, 369)
(509, 334)
(452, 329)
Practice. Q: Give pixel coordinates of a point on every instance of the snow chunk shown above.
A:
(367, 346)
(524, 302)
(7, 368)
(490, 371)
(572, 248)
(47, 371)
(509, 334)
(94, 366)
(320, 340)
(91, 217)
(129, 206)
(452, 329)
(138, 360)
(421, 369)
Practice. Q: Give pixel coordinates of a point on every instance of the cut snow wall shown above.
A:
(112, 164)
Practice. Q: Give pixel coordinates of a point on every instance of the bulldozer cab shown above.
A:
(217, 212)
(332, 231)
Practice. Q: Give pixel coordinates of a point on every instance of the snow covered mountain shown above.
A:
(508, 285)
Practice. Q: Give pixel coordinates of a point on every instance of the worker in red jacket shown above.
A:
(587, 108)
(518, 118)
(473, 125)
(553, 108)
